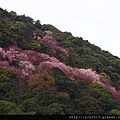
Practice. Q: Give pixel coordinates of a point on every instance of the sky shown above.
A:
(97, 21)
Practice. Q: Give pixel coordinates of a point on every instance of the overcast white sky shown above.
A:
(97, 21)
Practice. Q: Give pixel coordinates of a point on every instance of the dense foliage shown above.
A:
(44, 71)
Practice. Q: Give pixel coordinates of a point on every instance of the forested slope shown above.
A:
(44, 71)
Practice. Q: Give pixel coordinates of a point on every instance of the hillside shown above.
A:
(44, 71)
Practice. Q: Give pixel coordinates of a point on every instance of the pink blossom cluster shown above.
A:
(29, 61)
(71, 73)
(15, 55)
(107, 85)
(52, 42)
(2, 53)
(80, 74)
(4, 64)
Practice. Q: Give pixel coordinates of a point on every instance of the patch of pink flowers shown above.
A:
(52, 42)
(26, 62)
